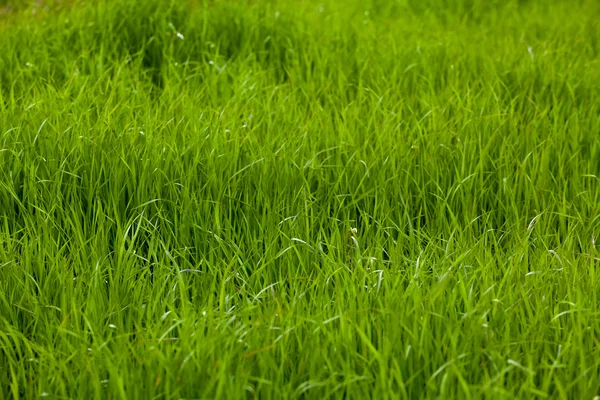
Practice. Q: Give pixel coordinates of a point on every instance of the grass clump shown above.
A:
(274, 199)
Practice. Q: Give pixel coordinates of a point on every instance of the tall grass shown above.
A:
(179, 183)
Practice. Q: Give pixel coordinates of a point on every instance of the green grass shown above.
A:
(179, 181)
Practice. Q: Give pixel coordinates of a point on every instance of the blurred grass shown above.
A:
(178, 181)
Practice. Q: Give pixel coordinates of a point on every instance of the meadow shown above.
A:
(300, 199)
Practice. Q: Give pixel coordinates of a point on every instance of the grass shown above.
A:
(179, 182)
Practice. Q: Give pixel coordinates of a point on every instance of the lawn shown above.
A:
(300, 199)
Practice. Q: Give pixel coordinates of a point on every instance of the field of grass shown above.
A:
(300, 199)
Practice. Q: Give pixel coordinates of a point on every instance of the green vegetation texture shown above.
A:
(300, 199)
